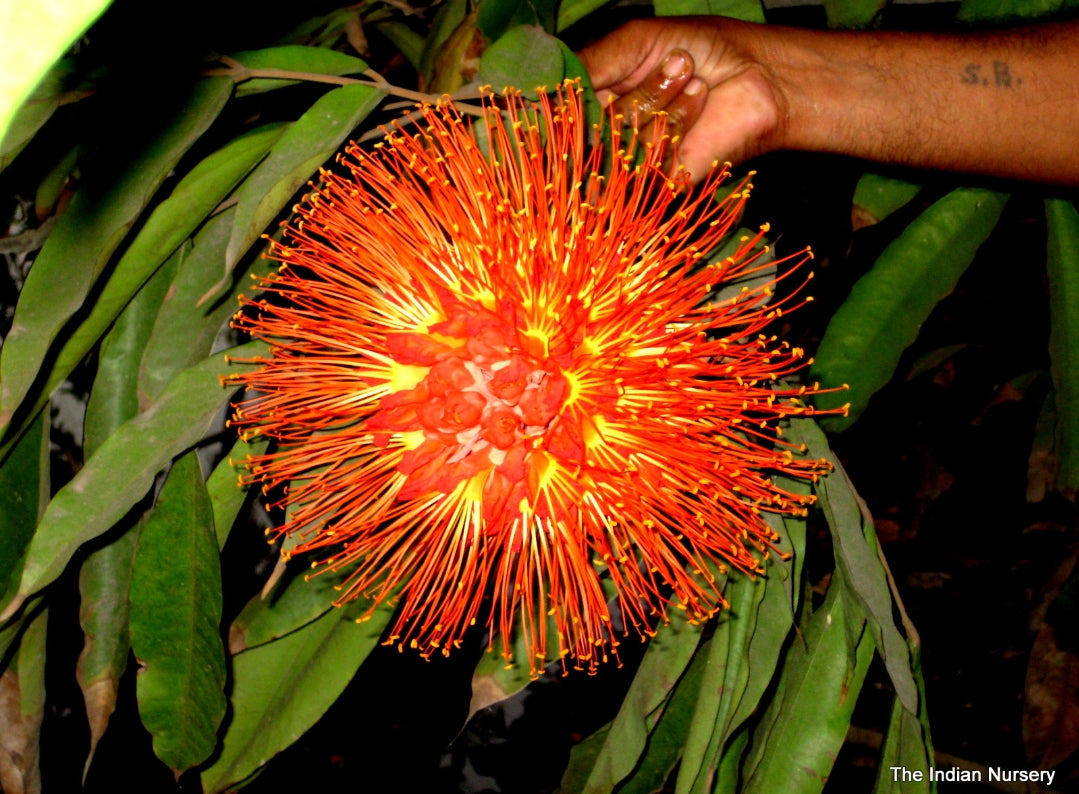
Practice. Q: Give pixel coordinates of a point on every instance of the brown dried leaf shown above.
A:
(19, 770)
(100, 697)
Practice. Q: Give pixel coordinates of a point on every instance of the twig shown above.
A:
(238, 72)
(27, 241)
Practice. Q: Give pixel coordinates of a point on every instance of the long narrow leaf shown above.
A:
(306, 145)
(855, 543)
(887, 307)
(1063, 267)
(124, 467)
(84, 239)
(105, 574)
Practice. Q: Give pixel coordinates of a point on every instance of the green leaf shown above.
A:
(855, 543)
(105, 574)
(852, 13)
(669, 653)
(306, 145)
(290, 607)
(34, 36)
(52, 186)
(881, 318)
(175, 621)
(574, 70)
(32, 115)
(82, 242)
(24, 492)
(572, 11)
(526, 58)
(722, 685)
(168, 226)
(226, 494)
(1006, 10)
(800, 733)
(582, 759)
(1063, 268)
(747, 10)
(453, 29)
(494, 18)
(907, 743)
(123, 469)
(281, 688)
(668, 737)
(114, 394)
(104, 608)
(877, 196)
(187, 313)
(407, 41)
(293, 58)
(22, 707)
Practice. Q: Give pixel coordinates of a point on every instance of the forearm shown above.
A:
(1004, 104)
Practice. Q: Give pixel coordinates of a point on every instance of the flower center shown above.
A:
(482, 401)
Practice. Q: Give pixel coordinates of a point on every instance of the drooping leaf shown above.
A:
(293, 58)
(175, 621)
(123, 469)
(810, 710)
(22, 709)
(295, 156)
(52, 186)
(82, 242)
(281, 688)
(582, 759)
(526, 58)
(105, 574)
(907, 743)
(722, 685)
(35, 36)
(1063, 269)
(886, 308)
(855, 544)
(449, 38)
(24, 491)
(167, 227)
(668, 737)
(669, 653)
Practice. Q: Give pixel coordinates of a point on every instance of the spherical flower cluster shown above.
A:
(500, 374)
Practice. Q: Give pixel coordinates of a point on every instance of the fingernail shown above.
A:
(674, 64)
(694, 87)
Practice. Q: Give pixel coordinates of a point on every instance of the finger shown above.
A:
(621, 57)
(679, 116)
(658, 89)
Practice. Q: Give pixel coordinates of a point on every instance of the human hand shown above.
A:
(703, 72)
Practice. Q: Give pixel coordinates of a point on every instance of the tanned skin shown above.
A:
(1003, 104)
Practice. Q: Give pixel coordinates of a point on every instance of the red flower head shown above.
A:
(497, 374)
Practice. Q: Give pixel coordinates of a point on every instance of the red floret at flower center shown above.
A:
(484, 405)
(502, 376)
